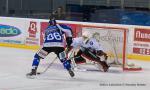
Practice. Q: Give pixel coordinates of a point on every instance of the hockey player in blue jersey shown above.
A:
(54, 42)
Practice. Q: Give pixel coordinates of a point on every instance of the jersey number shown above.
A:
(54, 36)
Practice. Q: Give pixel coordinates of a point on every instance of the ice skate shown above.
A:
(105, 66)
(32, 74)
(71, 73)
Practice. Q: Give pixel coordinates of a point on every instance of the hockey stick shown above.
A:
(47, 66)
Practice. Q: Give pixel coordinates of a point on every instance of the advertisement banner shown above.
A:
(19, 31)
(142, 35)
(32, 34)
(141, 44)
(11, 34)
(42, 31)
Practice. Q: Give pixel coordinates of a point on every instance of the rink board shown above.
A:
(28, 34)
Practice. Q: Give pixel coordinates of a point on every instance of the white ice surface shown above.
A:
(15, 63)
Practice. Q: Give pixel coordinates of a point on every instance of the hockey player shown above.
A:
(54, 42)
(90, 49)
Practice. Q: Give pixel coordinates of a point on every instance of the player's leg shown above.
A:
(63, 58)
(78, 58)
(93, 57)
(41, 54)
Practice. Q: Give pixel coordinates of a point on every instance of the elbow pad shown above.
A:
(69, 41)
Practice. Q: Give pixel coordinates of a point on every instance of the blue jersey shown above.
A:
(66, 27)
(54, 35)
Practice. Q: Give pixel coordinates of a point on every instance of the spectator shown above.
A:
(59, 14)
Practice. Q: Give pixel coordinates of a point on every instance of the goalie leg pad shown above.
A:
(104, 66)
(90, 55)
(79, 59)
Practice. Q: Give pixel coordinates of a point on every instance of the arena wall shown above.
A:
(28, 34)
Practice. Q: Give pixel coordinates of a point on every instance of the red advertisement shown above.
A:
(143, 51)
(43, 27)
(141, 43)
(32, 31)
(75, 28)
(142, 35)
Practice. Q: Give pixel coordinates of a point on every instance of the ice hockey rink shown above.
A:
(15, 63)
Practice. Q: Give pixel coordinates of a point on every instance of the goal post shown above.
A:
(114, 41)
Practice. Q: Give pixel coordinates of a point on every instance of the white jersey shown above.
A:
(93, 44)
(90, 43)
(77, 42)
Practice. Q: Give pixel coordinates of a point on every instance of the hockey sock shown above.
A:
(66, 64)
(36, 61)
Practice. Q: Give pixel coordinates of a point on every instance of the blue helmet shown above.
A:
(52, 22)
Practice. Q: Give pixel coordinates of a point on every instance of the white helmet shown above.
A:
(96, 35)
(85, 34)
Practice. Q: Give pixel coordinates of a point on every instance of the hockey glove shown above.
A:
(69, 41)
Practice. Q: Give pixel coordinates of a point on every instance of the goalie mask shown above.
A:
(85, 35)
(96, 35)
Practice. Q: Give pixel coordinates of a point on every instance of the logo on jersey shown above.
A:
(91, 43)
(9, 31)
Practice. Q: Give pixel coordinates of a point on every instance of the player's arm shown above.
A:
(64, 28)
(68, 34)
(68, 38)
(69, 41)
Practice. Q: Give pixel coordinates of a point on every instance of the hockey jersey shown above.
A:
(77, 42)
(90, 43)
(93, 44)
(54, 35)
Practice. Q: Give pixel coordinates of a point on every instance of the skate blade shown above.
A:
(31, 77)
(71, 73)
(80, 69)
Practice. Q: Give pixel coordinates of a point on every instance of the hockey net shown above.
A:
(114, 42)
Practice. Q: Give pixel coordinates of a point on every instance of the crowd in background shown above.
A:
(137, 13)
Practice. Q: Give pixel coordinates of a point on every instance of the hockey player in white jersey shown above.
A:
(54, 42)
(89, 49)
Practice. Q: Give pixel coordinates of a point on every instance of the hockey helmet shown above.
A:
(52, 22)
(86, 34)
(96, 35)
